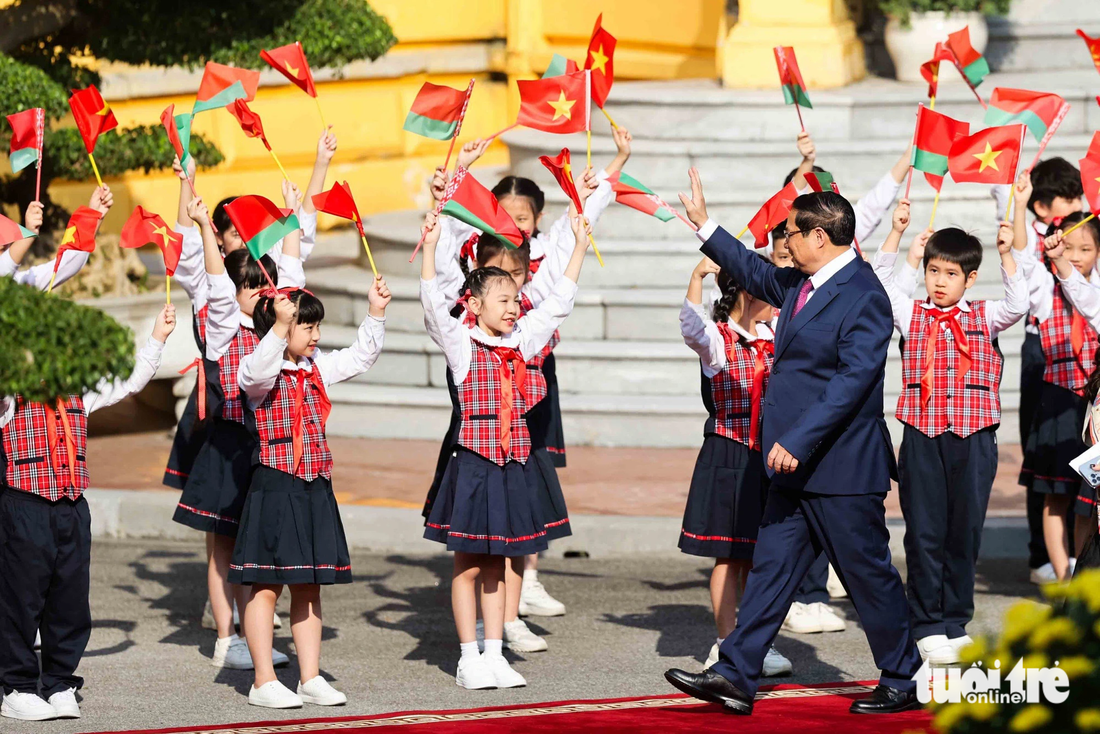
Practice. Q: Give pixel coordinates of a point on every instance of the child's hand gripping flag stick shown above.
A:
(562, 170)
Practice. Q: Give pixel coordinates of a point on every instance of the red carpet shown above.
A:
(779, 710)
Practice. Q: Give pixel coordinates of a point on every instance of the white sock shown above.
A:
(720, 640)
(494, 647)
(530, 574)
(469, 649)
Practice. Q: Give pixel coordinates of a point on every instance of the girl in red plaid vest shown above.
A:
(1068, 309)
(214, 494)
(950, 407)
(290, 531)
(487, 507)
(46, 530)
(728, 485)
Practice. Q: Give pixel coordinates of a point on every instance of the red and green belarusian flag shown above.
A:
(790, 78)
(11, 231)
(1039, 111)
(222, 85)
(475, 205)
(27, 129)
(932, 143)
(436, 112)
(971, 63)
(260, 223)
(560, 65)
(822, 181)
(636, 195)
(178, 129)
(991, 156)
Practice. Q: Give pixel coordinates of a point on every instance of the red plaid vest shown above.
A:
(536, 380)
(276, 426)
(1068, 365)
(31, 465)
(480, 405)
(962, 404)
(732, 389)
(243, 344)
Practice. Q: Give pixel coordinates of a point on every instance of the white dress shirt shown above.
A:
(1040, 283)
(531, 333)
(1083, 296)
(38, 276)
(701, 334)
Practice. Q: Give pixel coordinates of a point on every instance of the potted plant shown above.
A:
(914, 26)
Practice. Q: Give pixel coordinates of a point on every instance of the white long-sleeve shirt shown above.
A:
(701, 334)
(1083, 296)
(260, 370)
(1040, 283)
(999, 314)
(530, 335)
(38, 276)
(108, 391)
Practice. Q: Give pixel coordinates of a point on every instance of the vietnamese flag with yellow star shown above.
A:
(222, 85)
(144, 227)
(93, 116)
(561, 167)
(290, 61)
(971, 63)
(774, 211)
(559, 104)
(790, 78)
(79, 234)
(1090, 173)
(990, 156)
(1094, 47)
(601, 60)
(932, 143)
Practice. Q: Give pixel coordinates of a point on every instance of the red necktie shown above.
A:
(297, 427)
(52, 437)
(201, 384)
(510, 360)
(961, 343)
(1077, 334)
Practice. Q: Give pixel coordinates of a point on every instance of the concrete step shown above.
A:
(873, 108)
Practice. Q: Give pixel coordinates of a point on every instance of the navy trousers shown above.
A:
(45, 554)
(813, 588)
(944, 485)
(1032, 366)
(851, 530)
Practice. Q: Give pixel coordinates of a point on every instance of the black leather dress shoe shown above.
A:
(711, 687)
(886, 700)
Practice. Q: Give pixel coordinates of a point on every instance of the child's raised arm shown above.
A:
(623, 138)
(147, 362)
(809, 154)
(699, 331)
(1081, 294)
(182, 217)
(1003, 313)
(32, 220)
(291, 272)
(259, 371)
(449, 334)
(344, 364)
(326, 150)
(1021, 191)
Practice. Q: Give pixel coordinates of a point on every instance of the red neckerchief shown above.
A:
(761, 347)
(200, 385)
(297, 426)
(508, 355)
(52, 437)
(961, 343)
(1077, 334)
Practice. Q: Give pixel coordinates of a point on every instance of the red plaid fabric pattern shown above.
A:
(960, 405)
(243, 344)
(731, 389)
(27, 447)
(201, 317)
(1064, 368)
(275, 426)
(479, 401)
(536, 380)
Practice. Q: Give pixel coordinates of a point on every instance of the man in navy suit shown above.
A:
(829, 453)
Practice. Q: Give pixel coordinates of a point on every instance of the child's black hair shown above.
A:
(794, 172)
(221, 217)
(1054, 178)
(1093, 225)
(310, 311)
(245, 272)
(731, 294)
(779, 232)
(525, 187)
(488, 248)
(956, 246)
(478, 282)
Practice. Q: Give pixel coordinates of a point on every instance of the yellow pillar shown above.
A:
(824, 38)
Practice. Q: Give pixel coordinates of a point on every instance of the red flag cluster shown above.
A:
(93, 116)
(144, 227)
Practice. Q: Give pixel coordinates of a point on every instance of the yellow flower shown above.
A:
(1021, 619)
(1077, 666)
(1030, 718)
(1036, 660)
(983, 711)
(1057, 590)
(975, 651)
(1059, 629)
(1088, 719)
(949, 716)
(1086, 587)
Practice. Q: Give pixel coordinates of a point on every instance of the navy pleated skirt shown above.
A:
(1053, 441)
(213, 497)
(540, 420)
(555, 434)
(725, 504)
(290, 533)
(482, 507)
(188, 441)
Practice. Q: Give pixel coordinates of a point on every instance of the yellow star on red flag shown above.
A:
(291, 69)
(563, 106)
(988, 158)
(599, 59)
(162, 232)
(70, 236)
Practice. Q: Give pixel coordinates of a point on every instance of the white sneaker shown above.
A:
(937, 650)
(65, 705)
(802, 619)
(231, 653)
(775, 664)
(505, 676)
(474, 673)
(274, 695)
(1043, 574)
(318, 691)
(712, 658)
(519, 638)
(26, 707)
(534, 601)
(834, 586)
(829, 619)
(208, 622)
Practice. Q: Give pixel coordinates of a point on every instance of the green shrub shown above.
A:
(901, 9)
(54, 347)
(143, 148)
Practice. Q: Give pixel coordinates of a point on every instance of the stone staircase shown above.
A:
(626, 377)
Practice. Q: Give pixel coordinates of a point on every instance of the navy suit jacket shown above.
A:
(824, 399)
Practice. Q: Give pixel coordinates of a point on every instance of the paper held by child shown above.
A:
(1088, 465)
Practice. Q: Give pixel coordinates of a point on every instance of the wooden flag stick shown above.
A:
(324, 125)
(38, 179)
(498, 134)
(270, 282)
(799, 111)
(589, 131)
(1084, 221)
(1008, 210)
(95, 169)
(370, 257)
(742, 234)
(277, 163)
(168, 289)
(609, 118)
(935, 204)
(52, 279)
(595, 249)
(450, 150)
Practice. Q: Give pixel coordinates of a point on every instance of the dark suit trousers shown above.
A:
(944, 490)
(851, 529)
(45, 555)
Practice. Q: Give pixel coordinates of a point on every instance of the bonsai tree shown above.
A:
(45, 47)
(901, 9)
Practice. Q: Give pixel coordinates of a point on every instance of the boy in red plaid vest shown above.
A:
(950, 407)
(45, 538)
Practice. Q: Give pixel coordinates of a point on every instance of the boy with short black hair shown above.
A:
(950, 407)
